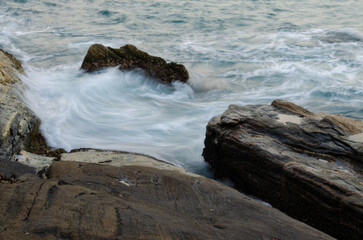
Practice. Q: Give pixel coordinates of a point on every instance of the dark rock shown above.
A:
(129, 57)
(307, 165)
(38, 145)
(133, 201)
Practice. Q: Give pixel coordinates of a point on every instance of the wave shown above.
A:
(233, 56)
(345, 35)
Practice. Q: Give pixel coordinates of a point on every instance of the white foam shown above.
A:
(251, 58)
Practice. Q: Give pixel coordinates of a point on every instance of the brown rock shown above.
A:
(129, 57)
(156, 201)
(308, 165)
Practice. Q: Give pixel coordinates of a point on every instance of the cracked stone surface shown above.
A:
(308, 165)
(99, 201)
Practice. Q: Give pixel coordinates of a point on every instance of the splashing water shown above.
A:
(248, 52)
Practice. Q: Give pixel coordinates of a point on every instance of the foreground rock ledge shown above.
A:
(308, 165)
(130, 196)
(129, 57)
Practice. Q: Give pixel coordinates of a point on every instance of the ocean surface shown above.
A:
(237, 52)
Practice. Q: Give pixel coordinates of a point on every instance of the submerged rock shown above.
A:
(307, 165)
(16, 121)
(129, 57)
(130, 196)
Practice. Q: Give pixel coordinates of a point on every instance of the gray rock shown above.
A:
(308, 165)
(17, 122)
(117, 199)
(40, 163)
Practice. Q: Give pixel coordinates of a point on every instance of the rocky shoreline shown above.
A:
(47, 193)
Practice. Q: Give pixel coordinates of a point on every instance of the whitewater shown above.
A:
(237, 52)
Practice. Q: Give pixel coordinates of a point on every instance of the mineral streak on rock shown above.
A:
(307, 165)
(145, 200)
(129, 57)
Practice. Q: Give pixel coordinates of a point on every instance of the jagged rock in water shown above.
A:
(307, 165)
(17, 122)
(130, 196)
(129, 57)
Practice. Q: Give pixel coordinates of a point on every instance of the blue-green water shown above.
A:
(241, 52)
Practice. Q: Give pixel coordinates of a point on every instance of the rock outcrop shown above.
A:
(307, 165)
(129, 196)
(129, 57)
(17, 122)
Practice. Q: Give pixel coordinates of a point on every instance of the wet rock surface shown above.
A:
(307, 165)
(116, 199)
(16, 121)
(38, 145)
(129, 57)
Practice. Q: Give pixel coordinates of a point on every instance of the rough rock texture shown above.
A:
(129, 57)
(16, 121)
(132, 201)
(307, 165)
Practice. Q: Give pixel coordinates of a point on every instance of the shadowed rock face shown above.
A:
(136, 198)
(129, 57)
(308, 165)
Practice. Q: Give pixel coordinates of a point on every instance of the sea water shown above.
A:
(237, 52)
